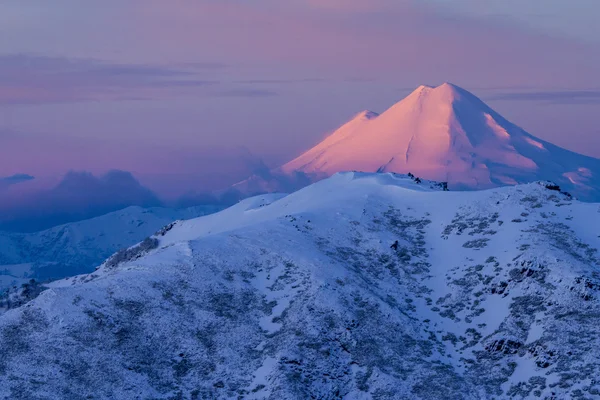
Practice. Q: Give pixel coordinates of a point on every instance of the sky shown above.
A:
(191, 95)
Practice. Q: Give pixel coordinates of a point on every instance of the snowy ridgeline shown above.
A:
(357, 287)
(78, 247)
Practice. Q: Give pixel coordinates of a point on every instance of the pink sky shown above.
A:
(177, 88)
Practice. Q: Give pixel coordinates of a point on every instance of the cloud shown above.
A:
(554, 97)
(200, 176)
(205, 65)
(247, 93)
(35, 79)
(168, 167)
(280, 81)
(79, 195)
(82, 195)
(171, 178)
(14, 179)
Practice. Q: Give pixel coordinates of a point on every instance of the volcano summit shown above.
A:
(442, 133)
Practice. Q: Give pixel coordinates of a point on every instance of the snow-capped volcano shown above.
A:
(445, 133)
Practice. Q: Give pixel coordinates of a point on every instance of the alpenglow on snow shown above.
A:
(442, 133)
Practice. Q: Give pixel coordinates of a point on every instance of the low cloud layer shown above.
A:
(83, 195)
(14, 179)
(35, 79)
(38, 79)
(78, 196)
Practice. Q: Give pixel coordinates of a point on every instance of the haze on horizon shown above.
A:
(195, 95)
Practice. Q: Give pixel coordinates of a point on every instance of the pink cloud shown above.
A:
(35, 79)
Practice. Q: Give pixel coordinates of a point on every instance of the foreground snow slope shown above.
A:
(360, 286)
(78, 247)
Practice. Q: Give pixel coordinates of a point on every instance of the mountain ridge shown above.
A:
(359, 286)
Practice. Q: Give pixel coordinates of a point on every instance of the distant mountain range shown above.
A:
(360, 286)
(442, 133)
